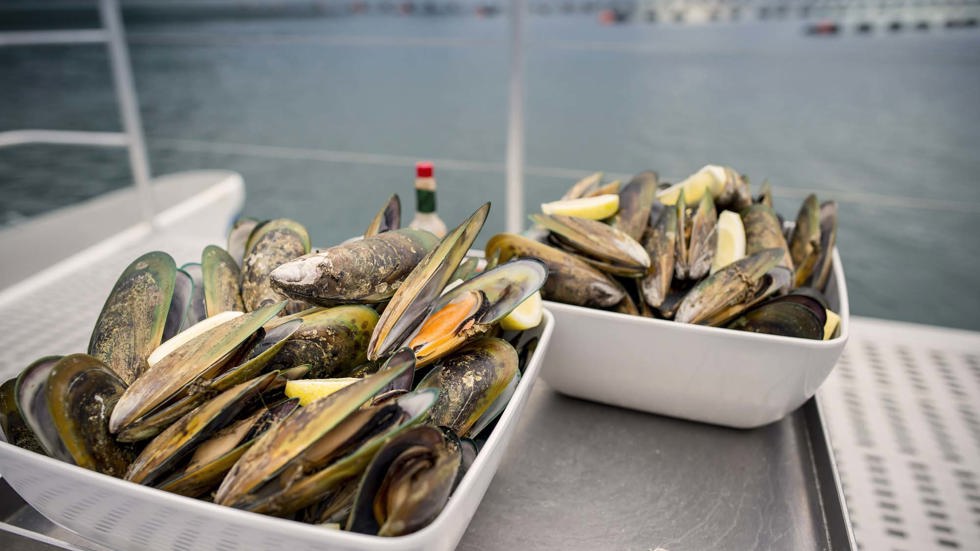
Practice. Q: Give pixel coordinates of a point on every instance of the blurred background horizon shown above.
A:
(325, 106)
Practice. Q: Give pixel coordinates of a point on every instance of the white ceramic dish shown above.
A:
(721, 376)
(122, 515)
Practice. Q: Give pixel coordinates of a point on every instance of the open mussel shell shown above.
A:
(214, 457)
(776, 281)
(31, 394)
(81, 391)
(344, 454)
(180, 304)
(13, 427)
(221, 276)
(703, 240)
(659, 244)
(413, 298)
(238, 238)
(570, 279)
(763, 230)
(388, 218)
(270, 245)
(828, 239)
(367, 270)
(472, 308)
(606, 247)
(407, 484)
(279, 457)
(133, 318)
(635, 201)
(196, 307)
(781, 317)
(804, 243)
(201, 356)
(470, 380)
(250, 359)
(731, 285)
(332, 341)
(173, 444)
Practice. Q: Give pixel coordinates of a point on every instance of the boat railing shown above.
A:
(131, 137)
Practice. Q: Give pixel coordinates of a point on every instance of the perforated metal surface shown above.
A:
(903, 411)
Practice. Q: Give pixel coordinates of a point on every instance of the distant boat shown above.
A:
(612, 16)
(823, 28)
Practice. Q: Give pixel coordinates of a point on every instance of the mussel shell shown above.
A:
(804, 243)
(185, 365)
(132, 320)
(198, 478)
(786, 318)
(222, 280)
(275, 451)
(271, 244)
(635, 201)
(776, 281)
(238, 237)
(407, 484)
(659, 244)
(412, 300)
(368, 270)
(470, 309)
(81, 391)
(469, 381)
(584, 186)
(332, 341)
(196, 309)
(605, 189)
(810, 300)
(614, 250)
(388, 218)
(367, 429)
(570, 279)
(704, 237)
(765, 195)
(763, 230)
(13, 427)
(828, 239)
(31, 393)
(683, 232)
(179, 439)
(180, 304)
(731, 285)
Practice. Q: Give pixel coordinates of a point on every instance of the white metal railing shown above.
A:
(131, 137)
(515, 120)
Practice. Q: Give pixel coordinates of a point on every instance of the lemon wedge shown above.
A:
(710, 179)
(310, 390)
(731, 240)
(829, 328)
(527, 315)
(598, 207)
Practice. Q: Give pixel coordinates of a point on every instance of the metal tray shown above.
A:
(581, 475)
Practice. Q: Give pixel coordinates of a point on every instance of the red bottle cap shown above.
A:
(423, 169)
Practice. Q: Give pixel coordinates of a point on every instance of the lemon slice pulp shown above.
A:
(731, 240)
(309, 390)
(526, 316)
(593, 208)
(829, 328)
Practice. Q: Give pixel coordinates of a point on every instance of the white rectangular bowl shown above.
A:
(715, 375)
(122, 515)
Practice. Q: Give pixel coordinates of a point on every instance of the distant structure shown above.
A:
(824, 16)
(820, 17)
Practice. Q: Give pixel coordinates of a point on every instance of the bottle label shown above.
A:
(425, 200)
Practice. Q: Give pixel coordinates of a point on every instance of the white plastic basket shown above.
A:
(122, 515)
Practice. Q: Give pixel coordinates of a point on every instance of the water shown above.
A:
(325, 116)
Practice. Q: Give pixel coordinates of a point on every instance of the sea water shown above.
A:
(325, 117)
